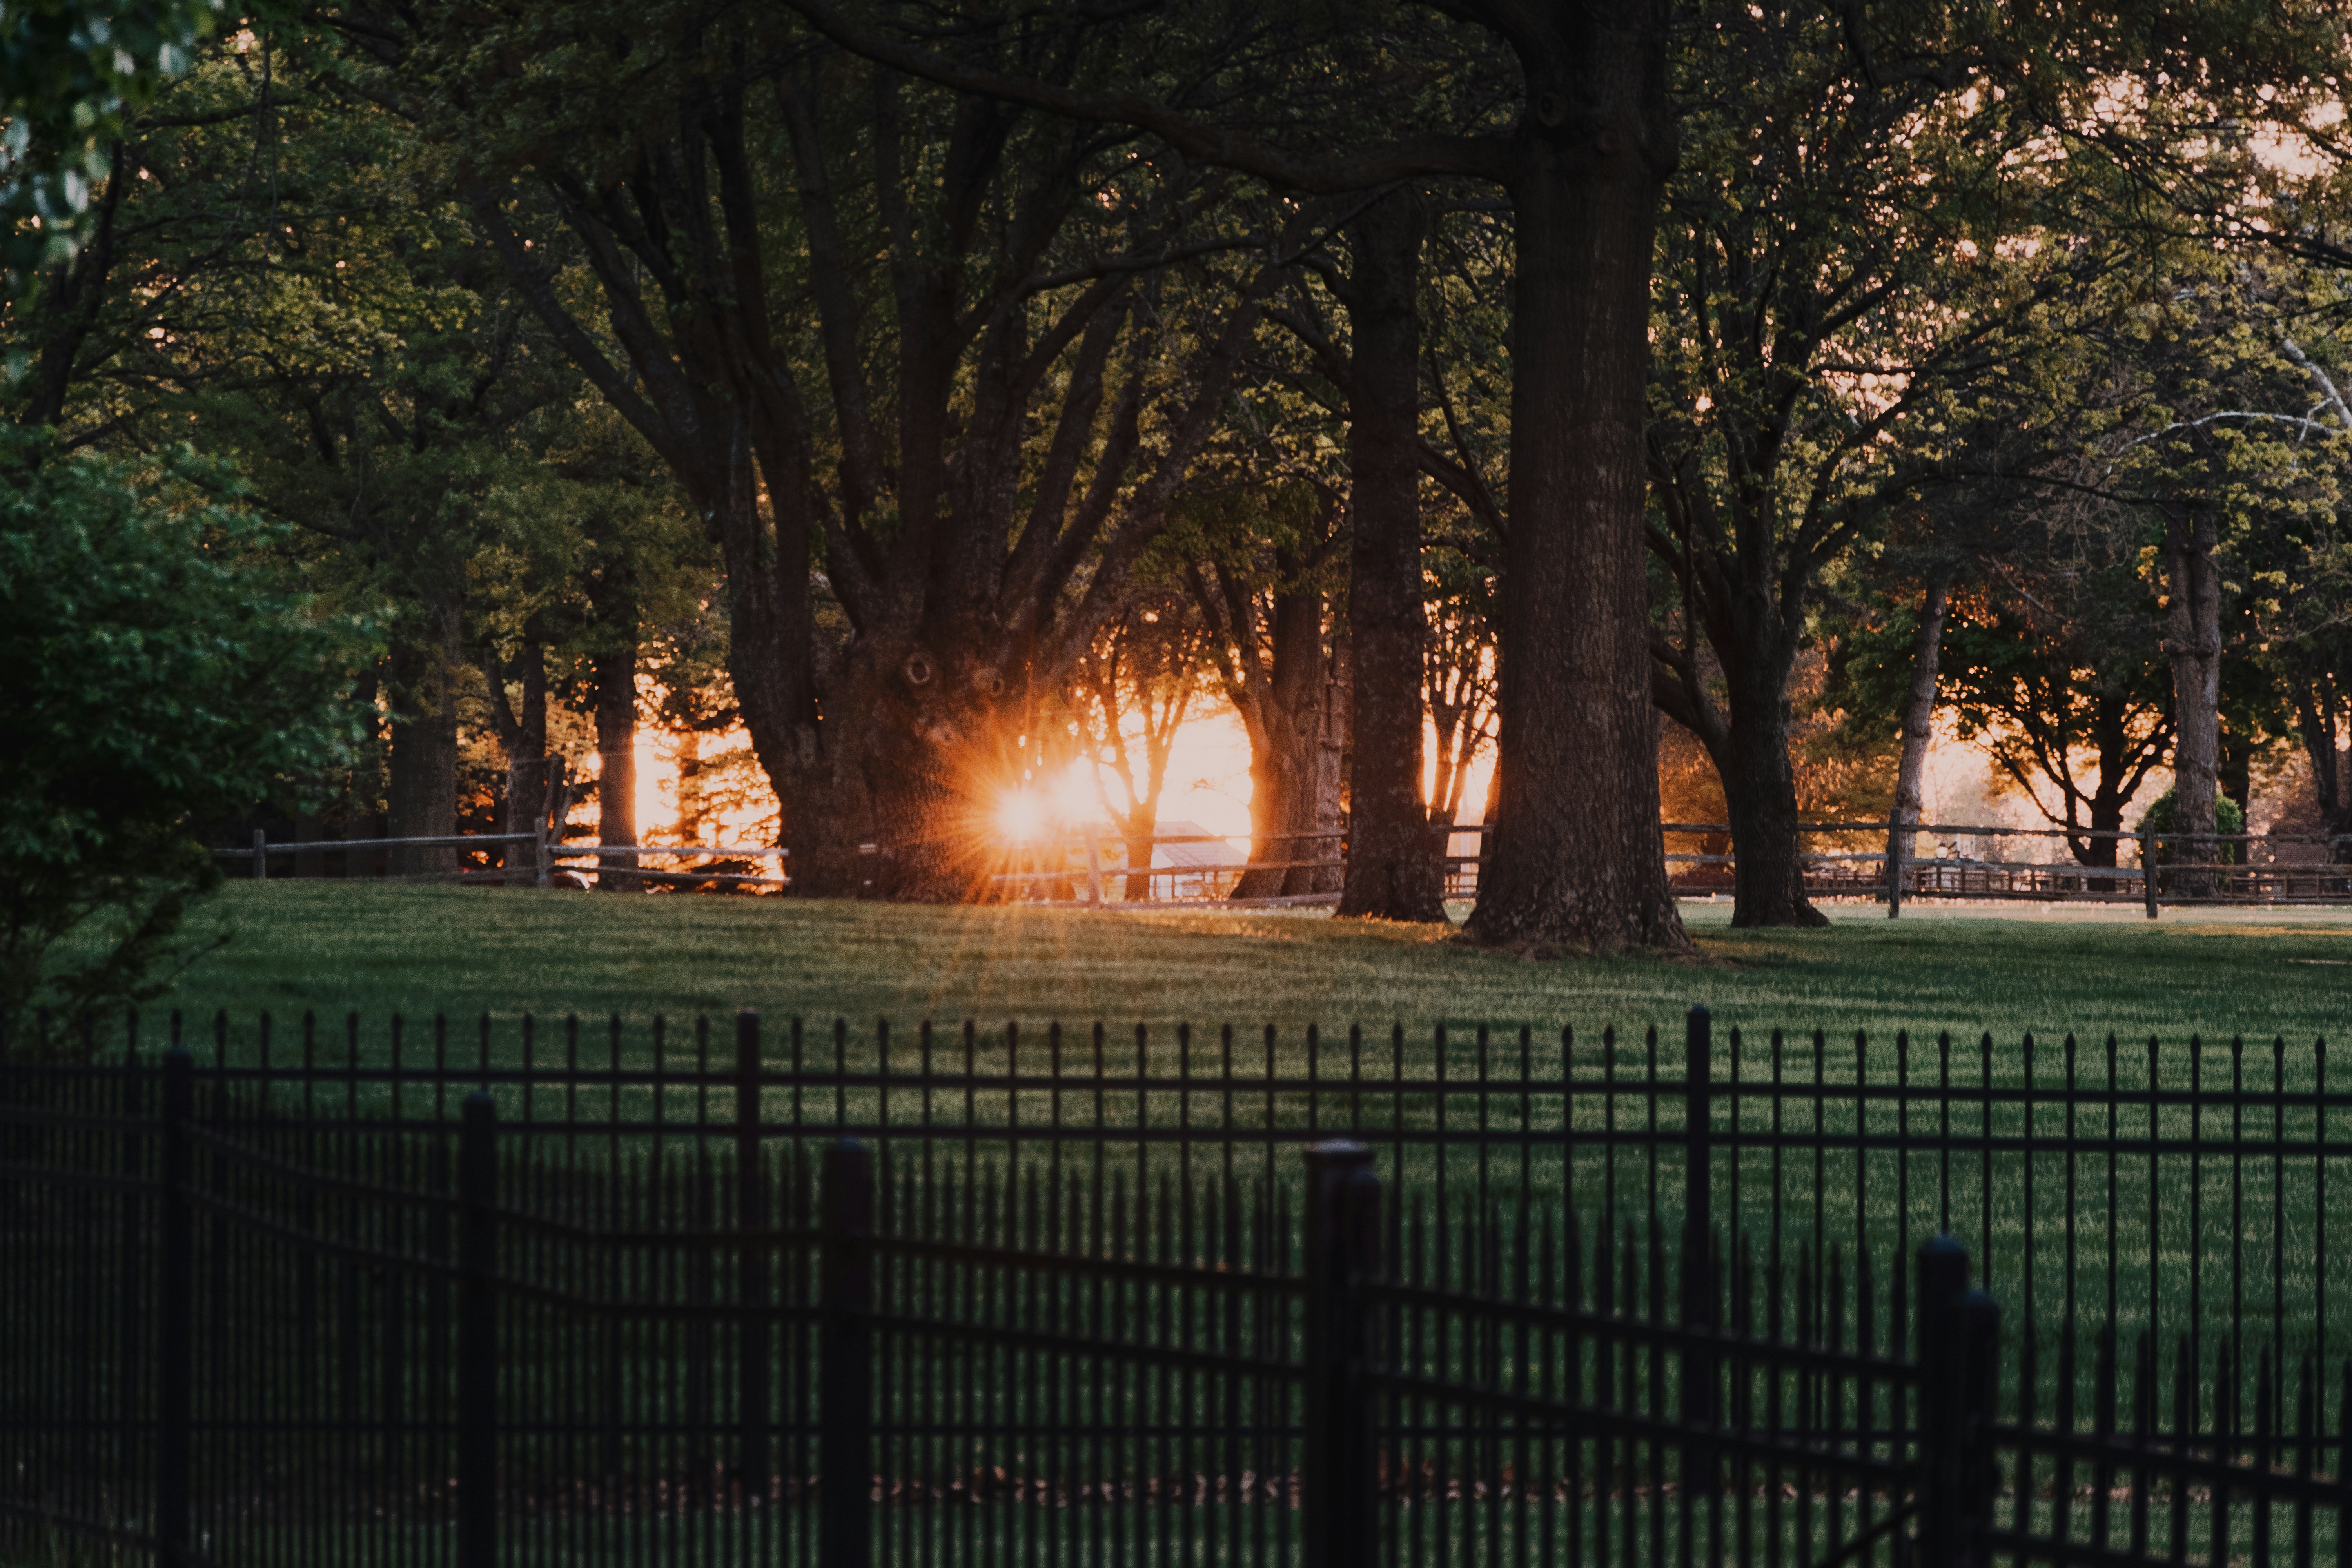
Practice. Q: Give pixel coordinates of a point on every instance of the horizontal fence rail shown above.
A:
(1089, 868)
(413, 1293)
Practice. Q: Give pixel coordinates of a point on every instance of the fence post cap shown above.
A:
(1341, 1149)
(480, 1104)
(1699, 1010)
(1943, 1244)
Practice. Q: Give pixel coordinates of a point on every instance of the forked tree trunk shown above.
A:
(423, 783)
(1576, 860)
(2122, 766)
(2317, 717)
(616, 778)
(1393, 871)
(1294, 779)
(1918, 729)
(2193, 642)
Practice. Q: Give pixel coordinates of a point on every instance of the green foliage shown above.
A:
(158, 680)
(70, 73)
(2227, 819)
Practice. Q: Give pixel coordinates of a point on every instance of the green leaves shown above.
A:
(70, 73)
(159, 678)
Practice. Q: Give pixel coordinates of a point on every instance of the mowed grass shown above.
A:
(335, 947)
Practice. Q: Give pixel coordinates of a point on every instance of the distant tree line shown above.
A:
(934, 400)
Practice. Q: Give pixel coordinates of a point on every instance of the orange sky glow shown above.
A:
(1208, 783)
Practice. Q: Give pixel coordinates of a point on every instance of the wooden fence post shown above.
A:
(478, 1330)
(1341, 1470)
(845, 1451)
(175, 1357)
(1093, 868)
(1898, 855)
(260, 854)
(2147, 870)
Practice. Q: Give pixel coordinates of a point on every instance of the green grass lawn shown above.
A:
(336, 947)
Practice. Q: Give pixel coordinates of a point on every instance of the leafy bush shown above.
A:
(158, 678)
(2227, 818)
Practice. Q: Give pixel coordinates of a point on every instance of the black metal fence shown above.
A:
(594, 1296)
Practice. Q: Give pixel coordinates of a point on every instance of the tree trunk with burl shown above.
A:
(1274, 659)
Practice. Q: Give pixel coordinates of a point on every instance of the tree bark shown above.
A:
(616, 779)
(1294, 762)
(523, 734)
(1918, 728)
(1576, 860)
(359, 817)
(2234, 774)
(2319, 710)
(1393, 871)
(424, 764)
(2193, 642)
(1760, 790)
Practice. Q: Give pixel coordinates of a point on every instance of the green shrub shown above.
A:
(158, 677)
(2227, 818)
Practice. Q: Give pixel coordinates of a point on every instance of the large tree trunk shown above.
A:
(616, 777)
(916, 751)
(2318, 710)
(523, 732)
(424, 767)
(1392, 872)
(2194, 642)
(1759, 791)
(1918, 728)
(1576, 860)
(1136, 833)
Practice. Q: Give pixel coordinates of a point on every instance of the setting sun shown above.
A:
(1022, 815)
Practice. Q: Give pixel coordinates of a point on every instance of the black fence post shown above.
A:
(1698, 1284)
(477, 1334)
(2147, 870)
(754, 1371)
(845, 1349)
(1340, 1466)
(1980, 1324)
(1943, 1280)
(175, 1357)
